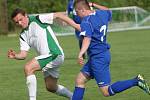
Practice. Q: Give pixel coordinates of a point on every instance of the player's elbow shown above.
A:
(23, 58)
(22, 55)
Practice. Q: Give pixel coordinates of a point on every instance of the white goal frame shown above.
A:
(138, 24)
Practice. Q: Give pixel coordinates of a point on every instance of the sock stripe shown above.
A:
(111, 92)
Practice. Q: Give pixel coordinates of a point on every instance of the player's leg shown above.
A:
(103, 79)
(51, 73)
(109, 90)
(80, 82)
(101, 70)
(52, 86)
(29, 70)
(118, 87)
(35, 64)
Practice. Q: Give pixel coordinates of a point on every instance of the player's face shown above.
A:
(21, 20)
(79, 12)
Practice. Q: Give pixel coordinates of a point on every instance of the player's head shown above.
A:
(81, 7)
(20, 17)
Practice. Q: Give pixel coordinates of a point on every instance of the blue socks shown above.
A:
(112, 89)
(121, 86)
(78, 93)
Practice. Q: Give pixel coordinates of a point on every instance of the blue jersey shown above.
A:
(95, 27)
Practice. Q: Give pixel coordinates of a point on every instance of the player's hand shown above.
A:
(80, 59)
(11, 54)
(90, 4)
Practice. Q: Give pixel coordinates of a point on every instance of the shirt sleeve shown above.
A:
(47, 18)
(110, 15)
(86, 29)
(23, 44)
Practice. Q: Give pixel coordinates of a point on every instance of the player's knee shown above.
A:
(106, 94)
(51, 89)
(79, 82)
(28, 69)
(104, 91)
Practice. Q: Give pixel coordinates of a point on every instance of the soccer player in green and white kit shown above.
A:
(38, 34)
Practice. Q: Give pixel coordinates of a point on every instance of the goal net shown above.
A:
(129, 18)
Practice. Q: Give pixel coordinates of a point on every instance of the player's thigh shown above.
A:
(52, 68)
(51, 76)
(43, 60)
(49, 61)
(32, 65)
(51, 83)
(86, 70)
(101, 69)
(81, 79)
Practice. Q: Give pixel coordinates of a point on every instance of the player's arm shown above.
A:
(98, 6)
(19, 56)
(66, 19)
(85, 44)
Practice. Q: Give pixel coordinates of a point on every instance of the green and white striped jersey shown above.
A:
(40, 36)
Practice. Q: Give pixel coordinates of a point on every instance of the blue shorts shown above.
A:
(97, 67)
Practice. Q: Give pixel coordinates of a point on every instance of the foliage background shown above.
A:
(44, 6)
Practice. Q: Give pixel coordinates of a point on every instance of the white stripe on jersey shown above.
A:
(54, 37)
(43, 56)
(83, 33)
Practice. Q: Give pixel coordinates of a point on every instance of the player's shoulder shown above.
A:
(23, 31)
(32, 17)
(99, 11)
(34, 20)
(104, 13)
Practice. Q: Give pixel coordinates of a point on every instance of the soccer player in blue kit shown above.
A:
(71, 12)
(93, 29)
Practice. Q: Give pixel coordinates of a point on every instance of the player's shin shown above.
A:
(121, 86)
(63, 91)
(78, 93)
(32, 86)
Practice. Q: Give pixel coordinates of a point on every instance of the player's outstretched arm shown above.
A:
(66, 19)
(98, 6)
(19, 56)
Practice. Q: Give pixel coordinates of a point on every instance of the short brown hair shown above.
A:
(82, 4)
(17, 11)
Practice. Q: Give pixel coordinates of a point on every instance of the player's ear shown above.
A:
(26, 15)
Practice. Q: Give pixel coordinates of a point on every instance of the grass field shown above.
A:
(130, 56)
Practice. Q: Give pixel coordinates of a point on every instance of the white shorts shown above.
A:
(52, 68)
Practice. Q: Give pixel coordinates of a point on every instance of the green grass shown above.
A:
(130, 56)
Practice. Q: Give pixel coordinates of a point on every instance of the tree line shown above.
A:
(44, 6)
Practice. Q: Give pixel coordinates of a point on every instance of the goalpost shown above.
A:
(129, 18)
